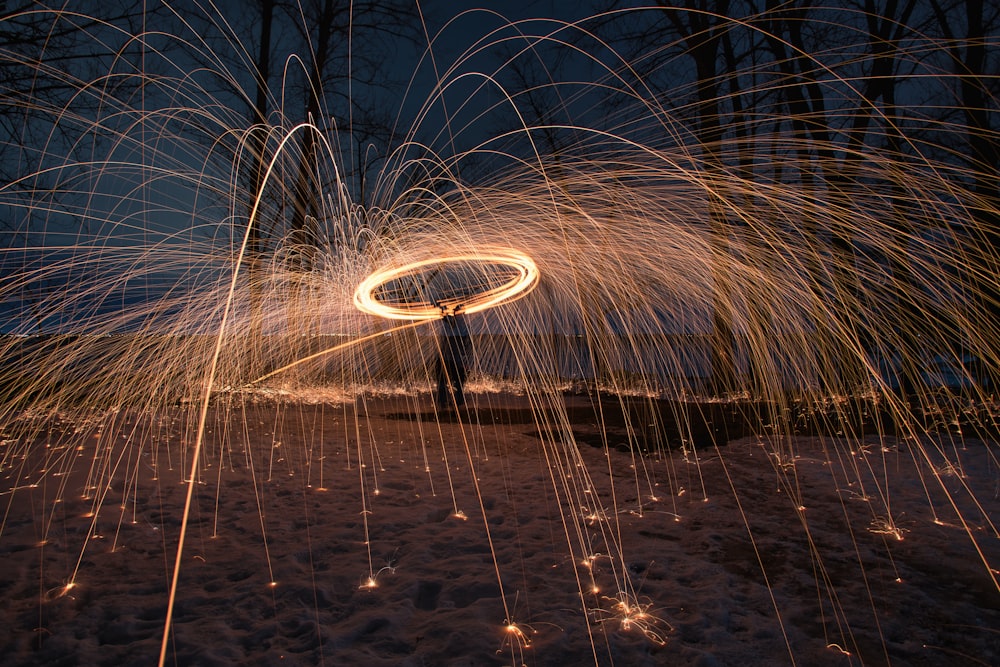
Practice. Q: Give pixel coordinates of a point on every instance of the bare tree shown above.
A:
(52, 81)
(975, 65)
(701, 27)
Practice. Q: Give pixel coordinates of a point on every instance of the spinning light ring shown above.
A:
(522, 279)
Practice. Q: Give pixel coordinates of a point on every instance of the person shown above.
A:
(453, 344)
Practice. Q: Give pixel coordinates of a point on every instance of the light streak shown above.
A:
(484, 262)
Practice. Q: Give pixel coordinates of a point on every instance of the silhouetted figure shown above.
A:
(454, 347)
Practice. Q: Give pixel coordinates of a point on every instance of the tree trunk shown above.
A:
(702, 38)
(258, 144)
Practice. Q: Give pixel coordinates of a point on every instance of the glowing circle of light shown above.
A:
(523, 279)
